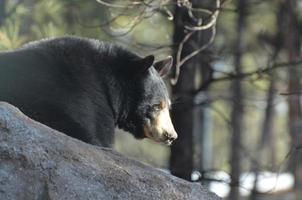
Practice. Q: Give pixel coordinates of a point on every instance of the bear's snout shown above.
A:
(161, 129)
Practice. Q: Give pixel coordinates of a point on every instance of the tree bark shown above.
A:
(290, 27)
(266, 139)
(237, 107)
(189, 120)
(268, 124)
(181, 160)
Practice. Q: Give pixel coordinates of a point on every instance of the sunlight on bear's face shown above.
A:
(149, 115)
(160, 128)
(154, 109)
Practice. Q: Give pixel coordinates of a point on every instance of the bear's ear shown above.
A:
(163, 66)
(143, 64)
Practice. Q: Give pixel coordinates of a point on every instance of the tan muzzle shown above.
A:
(161, 128)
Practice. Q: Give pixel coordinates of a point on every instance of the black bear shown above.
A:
(85, 88)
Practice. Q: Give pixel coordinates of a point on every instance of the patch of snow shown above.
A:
(268, 182)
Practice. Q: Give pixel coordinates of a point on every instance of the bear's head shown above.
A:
(149, 102)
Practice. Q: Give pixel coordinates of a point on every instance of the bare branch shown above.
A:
(179, 62)
(208, 25)
(259, 72)
(178, 57)
(114, 5)
(211, 24)
(153, 7)
(291, 93)
(194, 53)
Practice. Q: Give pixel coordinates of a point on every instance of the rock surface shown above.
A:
(39, 163)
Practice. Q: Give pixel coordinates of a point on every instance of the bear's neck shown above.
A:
(118, 100)
(122, 96)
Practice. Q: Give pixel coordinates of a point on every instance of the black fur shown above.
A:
(81, 87)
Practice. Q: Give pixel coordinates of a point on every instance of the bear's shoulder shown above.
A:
(66, 42)
(81, 45)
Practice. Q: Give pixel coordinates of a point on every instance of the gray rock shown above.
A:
(39, 163)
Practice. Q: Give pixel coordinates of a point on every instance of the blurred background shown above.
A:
(235, 87)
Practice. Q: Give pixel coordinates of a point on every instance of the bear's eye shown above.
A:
(156, 107)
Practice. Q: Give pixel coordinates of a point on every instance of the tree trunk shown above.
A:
(237, 111)
(181, 160)
(290, 28)
(295, 127)
(266, 139)
(189, 120)
(202, 121)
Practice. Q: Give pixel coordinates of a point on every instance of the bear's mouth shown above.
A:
(163, 138)
(168, 140)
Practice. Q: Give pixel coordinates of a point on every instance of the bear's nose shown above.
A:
(170, 137)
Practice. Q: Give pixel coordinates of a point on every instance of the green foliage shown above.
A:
(10, 36)
(10, 32)
(49, 22)
(36, 19)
